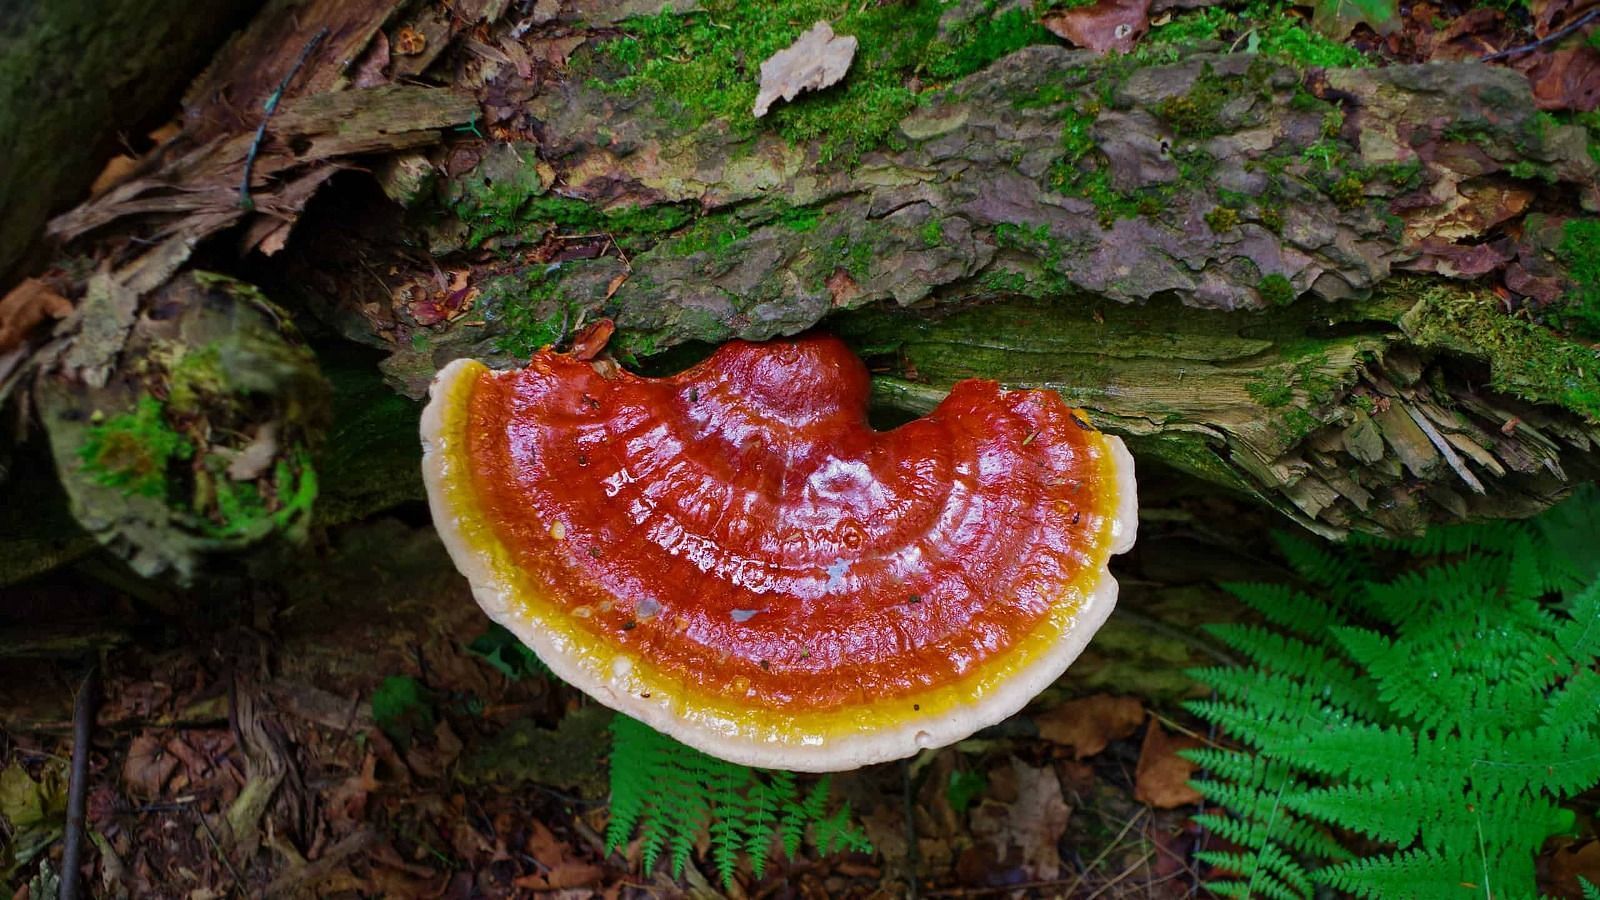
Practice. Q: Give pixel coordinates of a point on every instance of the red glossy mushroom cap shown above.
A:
(733, 556)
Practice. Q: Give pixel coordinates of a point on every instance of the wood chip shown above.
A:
(815, 61)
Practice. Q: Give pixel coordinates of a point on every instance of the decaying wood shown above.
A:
(80, 77)
(1196, 276)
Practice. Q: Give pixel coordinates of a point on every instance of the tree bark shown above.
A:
(76, 75)
(1259, 273)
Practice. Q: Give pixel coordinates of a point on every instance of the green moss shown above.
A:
(717, 235)
(705, 66)
(1580, 251)
(1532, 171)
(799, 218)
(932, 233)
(1524, 358)
(1332, 123)
(1260, 27)
(1222, 218)
(1271, 392)
(983, 40)
(239, 509)
(132, 452)
(1276, 289)
(518, 301)
(1406, 176)
(633, 227)
(198, 374)
(1036, 241)
(1348, 192)
(1271, 218)
(1194, 114)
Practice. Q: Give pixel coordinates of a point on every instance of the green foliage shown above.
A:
(1337, 18)
(133, 451)
(1432, 716)
(1276, 289)
(1260, 27)
(1580, 250)
(964, 788)
(1222, 218)
(1590, 892)
(507, 655)
(401, 706)
(672, 794)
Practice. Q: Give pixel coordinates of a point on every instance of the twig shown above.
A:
(913, 853)
(1105, 852)
(78, 785)
(1550, 38)
(1121, 876)
(238, 883)
(271, 106)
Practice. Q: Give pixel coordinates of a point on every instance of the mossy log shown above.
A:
(1256, 271)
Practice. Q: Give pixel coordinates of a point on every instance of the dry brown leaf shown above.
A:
(117, 170)
(1090, 723)
(1033, 822)
(615, 283)
(816, 60)
(1574, 861)
(147, 766)
(842, 287)
(347, 801)
(27, 305)
(1565, 79)
(592, 339)
(276, 239)
(562, 868)
(555, 50)
(1162, 776)
(1550, 15)
(1105, 25)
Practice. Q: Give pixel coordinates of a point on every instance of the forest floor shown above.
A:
(353, 729)
(403, 762)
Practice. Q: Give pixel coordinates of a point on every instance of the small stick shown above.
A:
(1550, 38)
(271, 106)
(913, 852)
(78, 785)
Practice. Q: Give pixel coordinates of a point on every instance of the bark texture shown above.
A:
(1257, 272)
(75, 73)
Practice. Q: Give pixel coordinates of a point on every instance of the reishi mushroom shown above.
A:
(733, 556)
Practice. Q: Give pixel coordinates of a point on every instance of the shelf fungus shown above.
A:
(735, 557)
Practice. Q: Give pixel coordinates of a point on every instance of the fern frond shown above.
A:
(1359, 751)
(1285, 607)
(1278, 654)
(672, 795)
(1269, 872)
(1414, 873)
(1289, 831)
(1336, 573)
(1580, 636)
(1445, 717)
(839, 833)
(1573, 709)
(1497, 537)
(1590, 892)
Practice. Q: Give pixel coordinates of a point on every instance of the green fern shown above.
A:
(1439, 714)
(671, 795)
